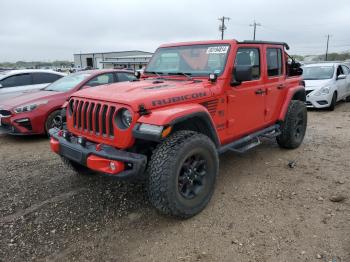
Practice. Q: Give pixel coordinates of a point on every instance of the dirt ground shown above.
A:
(262, 209)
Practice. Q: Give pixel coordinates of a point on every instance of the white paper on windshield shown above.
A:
(217, 50)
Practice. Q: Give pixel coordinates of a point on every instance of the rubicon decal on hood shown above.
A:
(178, 98)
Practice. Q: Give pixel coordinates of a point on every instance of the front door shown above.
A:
(246, 102)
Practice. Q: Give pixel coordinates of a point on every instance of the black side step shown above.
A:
(247, 142)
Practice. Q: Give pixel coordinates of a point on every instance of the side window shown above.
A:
(249, 57)
(101, 80)
(346, 70)
(125, 77)
(44, 78)
(274, 61)
(17, 80)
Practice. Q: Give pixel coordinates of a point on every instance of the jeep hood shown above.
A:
(150, 92)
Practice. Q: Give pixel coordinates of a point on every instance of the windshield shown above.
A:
(67, 83)
(194, 60)
(318, 72)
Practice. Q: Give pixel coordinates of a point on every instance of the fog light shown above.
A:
(82, 141)
(150, 129)
(112, 166)
(66, 135)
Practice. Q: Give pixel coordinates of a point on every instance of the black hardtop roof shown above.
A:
(264, 42)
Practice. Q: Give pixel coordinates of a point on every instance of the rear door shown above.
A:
(346, 72)
(275, 78)
(246, 102)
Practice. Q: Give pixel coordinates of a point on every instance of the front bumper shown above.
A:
(321, 101)
(135, 164)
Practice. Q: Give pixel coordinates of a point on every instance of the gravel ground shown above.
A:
(269, 205)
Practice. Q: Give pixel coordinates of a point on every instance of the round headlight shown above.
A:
(124, 118)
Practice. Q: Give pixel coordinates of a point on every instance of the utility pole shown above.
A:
(255, 24)
(328, 36)
(222, 27)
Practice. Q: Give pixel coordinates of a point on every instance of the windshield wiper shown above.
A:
(154, 73)
(188, 75)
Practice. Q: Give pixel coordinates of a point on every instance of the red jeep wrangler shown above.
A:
(194, 101)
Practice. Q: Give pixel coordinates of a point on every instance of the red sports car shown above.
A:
(37, 112)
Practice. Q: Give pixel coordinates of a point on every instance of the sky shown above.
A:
(43, 30)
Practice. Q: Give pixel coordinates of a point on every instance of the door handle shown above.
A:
(281, 86)
(260, 92)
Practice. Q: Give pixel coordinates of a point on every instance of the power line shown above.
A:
(255, 24)
(223, 27)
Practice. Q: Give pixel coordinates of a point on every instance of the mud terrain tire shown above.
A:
(294, 126)
(182, 173)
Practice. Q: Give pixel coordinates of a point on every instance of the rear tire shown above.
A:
(294, 126)
(53, 120)
(182, 173)
(76, 168)
(334, 102)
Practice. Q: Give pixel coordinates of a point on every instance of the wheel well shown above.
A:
(300, 95)
(198, 124)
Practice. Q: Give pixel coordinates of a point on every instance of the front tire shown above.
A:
(294, 126)
(53, 120)
(182, 173)
(334, 102)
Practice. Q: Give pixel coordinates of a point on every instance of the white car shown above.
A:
(326, 84)
(17, 82)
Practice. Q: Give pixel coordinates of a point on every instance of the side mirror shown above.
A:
(85, 87)
(213, 77)
(341, 77)
(294, 69)
(137, 74)
(241, 73)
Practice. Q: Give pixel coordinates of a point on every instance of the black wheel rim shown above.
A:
(192, 177)
(56, 122)
(299, 127)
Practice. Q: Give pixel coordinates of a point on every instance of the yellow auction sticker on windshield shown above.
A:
(217, 49)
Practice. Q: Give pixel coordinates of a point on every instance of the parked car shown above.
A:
(194, 101)
(326, 84)
(15, 82)
(37, 112)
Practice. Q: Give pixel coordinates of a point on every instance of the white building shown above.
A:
(125, 59)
